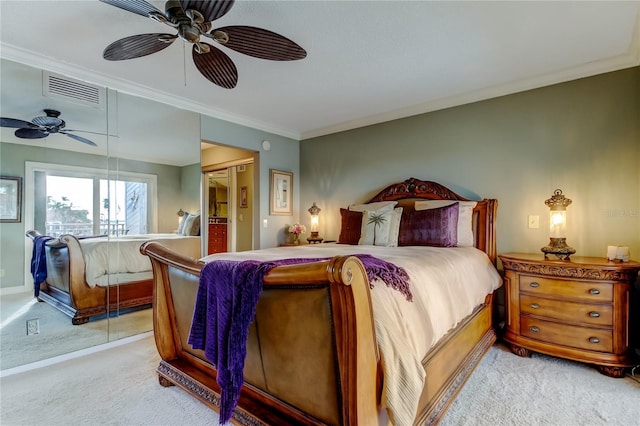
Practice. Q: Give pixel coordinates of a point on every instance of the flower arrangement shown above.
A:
(297, 229)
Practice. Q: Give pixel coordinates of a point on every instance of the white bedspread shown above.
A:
(447, 284)
(110, 261)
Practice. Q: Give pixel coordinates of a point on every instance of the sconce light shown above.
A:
(314, 211)
(558, 227)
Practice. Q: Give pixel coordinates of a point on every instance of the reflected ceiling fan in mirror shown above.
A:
(41, 127)
(193, 19)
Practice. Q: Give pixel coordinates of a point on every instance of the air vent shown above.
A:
(57, 86)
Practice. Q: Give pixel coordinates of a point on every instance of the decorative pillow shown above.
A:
(465, 217)
(350, 227)
(191, 225)
(376, 226)
(436, 227)
(394, 227)
(372, 206)
(183, 219)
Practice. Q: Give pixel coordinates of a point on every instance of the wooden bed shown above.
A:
(327, 347)
(66, 286)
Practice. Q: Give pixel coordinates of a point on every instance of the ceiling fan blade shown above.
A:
(79, 138)
(31, 133)
(260, 43)
(216, 67)
(211, 10)
(137, 46)
(15, 123)
(140, 7)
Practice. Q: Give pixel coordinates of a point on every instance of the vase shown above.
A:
(296, 238)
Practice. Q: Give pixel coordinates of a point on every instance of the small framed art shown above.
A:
(10, 198)
(244, 197)
(281, 193)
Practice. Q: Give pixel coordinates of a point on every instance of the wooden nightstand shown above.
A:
(576, 309)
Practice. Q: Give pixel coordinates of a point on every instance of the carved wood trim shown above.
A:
(173, 375)
(570, 271)
(416, 188)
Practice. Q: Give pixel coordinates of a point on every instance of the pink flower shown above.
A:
(297, 229)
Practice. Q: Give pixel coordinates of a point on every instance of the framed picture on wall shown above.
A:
(244, 196)
(281, 193)
(10, 198)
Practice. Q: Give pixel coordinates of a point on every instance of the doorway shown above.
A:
(228, 194)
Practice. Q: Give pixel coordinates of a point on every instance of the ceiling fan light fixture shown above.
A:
(195, 16)
(193, 19)
(202, 47)
(220, 37)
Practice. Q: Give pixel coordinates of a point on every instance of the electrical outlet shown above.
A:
(33, 327)
(533, 222)
(1, 272)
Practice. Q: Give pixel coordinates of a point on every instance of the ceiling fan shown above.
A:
(41, 127)
(193, 19)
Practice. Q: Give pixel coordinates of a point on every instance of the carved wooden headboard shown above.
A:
(484, 214)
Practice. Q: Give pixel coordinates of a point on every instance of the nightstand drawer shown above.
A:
(588, 291)
(567, 335)
(582, 313)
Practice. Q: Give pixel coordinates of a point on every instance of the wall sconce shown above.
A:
(314, 211)
(558, 227)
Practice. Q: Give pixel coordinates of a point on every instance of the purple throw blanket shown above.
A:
(226, 305)
(39, 262)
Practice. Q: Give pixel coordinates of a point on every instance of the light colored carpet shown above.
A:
(509, 390)
(57, 335)
(119, 387)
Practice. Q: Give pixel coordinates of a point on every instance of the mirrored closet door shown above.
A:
(100, 171)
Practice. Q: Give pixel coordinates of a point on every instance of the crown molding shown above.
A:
(30, 58)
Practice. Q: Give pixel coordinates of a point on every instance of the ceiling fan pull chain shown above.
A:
(184, 63)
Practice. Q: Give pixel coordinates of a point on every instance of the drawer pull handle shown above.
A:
(535, 306)
(594, 340)
(594, 291)
(534, 284)
(594, 314)
(535, 329)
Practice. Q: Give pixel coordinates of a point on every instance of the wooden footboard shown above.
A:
(336, 383)
(320, 365)
(67, 290)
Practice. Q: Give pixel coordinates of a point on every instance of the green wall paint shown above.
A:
(284, 154)
(581, 136)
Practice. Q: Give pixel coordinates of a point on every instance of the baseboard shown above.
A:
(73, 355)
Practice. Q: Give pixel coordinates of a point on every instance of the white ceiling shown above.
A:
(368, 61)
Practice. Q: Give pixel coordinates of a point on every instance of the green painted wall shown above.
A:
(176, 185)
(581, 136)
(284, 154)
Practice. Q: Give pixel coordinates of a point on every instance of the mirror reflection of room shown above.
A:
(76, 194)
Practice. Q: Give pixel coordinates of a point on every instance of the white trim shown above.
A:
(14, 290)
(27, 57)
(72, 355)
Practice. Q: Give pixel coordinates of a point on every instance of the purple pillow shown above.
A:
(351, 226)
(433, 227)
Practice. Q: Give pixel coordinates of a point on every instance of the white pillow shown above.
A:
(394, 227)
(465, 217)
(377, 226)
(183, 219)
(372, 206)
(191, 225)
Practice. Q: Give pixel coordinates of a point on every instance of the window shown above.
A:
(81, 201)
